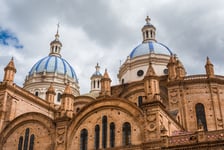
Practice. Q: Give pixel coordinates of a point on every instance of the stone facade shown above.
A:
(149, 110)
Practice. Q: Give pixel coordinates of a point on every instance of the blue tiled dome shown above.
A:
(52, 64)
(150, 47)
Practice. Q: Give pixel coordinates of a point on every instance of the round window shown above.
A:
(165, 71)
(140, 73)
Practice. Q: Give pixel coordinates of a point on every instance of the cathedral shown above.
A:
(155, 105)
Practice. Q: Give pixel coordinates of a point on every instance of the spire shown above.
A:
(209, 68)
(50, 94)
(148, 31)
(10, 71)
(106, 74)
(67, 103)
(105, 84)
(150, 71)
(56, 45)
(68, 89)
(172, 68)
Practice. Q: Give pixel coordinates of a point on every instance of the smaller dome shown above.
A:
(150, 47)
(97, 72)
(54, 64)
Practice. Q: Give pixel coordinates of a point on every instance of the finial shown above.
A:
(147, 19)
(57, 35)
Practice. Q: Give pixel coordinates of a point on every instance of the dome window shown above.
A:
(140, 73)
(58, 97)
(37, 93)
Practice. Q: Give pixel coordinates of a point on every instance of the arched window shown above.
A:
(77, 109)
(122, 81)
(147, 34)
(27, 132)
(20, 143)
(200, 114)
(112, 134)
(151, 33)
(58, 97)
(94, 84)
(37, 93)
(97, 137)
(140, 101)
(98, 84)
(104, 132)
(126, 133)
(83, 139)
(28, 141)
(32, 137)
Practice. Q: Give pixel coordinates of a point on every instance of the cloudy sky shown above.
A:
(106, 31)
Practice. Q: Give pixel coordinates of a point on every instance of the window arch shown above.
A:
(112, 134)
(36, 93)
(94, 84)
(83, 139)
(98, 84)
(126, 133)
(200, 114)
(147, 34)
(97, 137)
(104, 132)
(77, 109)
(28, 141)
(20, 143)
(32, 137)
(151, 33)
(58, 97)
(140, 101)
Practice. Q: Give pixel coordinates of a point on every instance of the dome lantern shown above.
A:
(55, 45)
(148, 31)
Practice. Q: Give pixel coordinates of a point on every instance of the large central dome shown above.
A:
(52, 69)
(54, 64)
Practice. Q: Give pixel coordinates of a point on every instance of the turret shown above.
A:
(172, 68)
(209, 68)
(50, 94)
(151, 84)
(10, 71)
(180, 71)
(96, 80)
(105, 84)
(67, 102)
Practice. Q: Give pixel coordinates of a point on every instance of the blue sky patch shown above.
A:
(7, 38)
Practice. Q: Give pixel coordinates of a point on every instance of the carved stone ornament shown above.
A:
(151, 118)
(174, 101)
(151, 127)
(60, 135)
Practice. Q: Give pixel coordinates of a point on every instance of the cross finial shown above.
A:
(147, 19)
(58, 25)
(57, 35)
